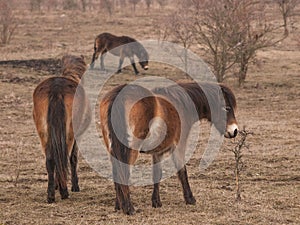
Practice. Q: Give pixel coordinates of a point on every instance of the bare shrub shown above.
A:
(69, 4)
(231, 32)
(108, 5)
(36, 5)
(162, 3)
(176, 27)
(148, 4)
(286, 8)
(51, 4)
(211, 29)
(134, 3)
(237, 150)
(8, 22)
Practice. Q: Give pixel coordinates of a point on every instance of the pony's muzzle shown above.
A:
(231, 131)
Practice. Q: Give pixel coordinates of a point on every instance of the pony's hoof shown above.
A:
(129, 209)
(190, 201)
(64, 194)
(75, 189)
(50, 200)
(156, 204)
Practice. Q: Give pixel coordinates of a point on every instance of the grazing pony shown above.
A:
(122, 46)
(130, 126)
(61, 112)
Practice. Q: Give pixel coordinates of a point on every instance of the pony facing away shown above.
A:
(54, 101)
(134, 118)
(122, 46)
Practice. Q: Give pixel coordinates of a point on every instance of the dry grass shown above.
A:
(268, 105)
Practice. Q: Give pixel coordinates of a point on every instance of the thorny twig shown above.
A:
(239, 165)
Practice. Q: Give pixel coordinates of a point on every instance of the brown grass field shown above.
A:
(268, 105)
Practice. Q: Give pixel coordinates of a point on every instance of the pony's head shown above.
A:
(143, 56)
(229, 109)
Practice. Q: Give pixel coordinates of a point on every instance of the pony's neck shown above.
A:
(140, 51)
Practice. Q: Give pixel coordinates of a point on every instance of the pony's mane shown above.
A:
(73, 66)
(126, 39)
(200, 93)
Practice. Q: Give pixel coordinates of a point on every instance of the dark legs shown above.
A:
(121, 173)
(95, 56)
(55, 183)
(102, 61)
(157, 174)
(178, 158)
(123, 199)
(50, 165)
(73, 163)
(133, 65)
(120, 64)
(51, 184)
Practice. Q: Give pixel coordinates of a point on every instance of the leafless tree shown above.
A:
(51, 4)
(231, 32)
(287, 8)
(162, 3)
(8, 22)
(148, 4)
(108, 5)
(176, 27)
(134, 3)
(84, 5)
(251, 31)
(211, 30)
(36, 5)
(69, 4)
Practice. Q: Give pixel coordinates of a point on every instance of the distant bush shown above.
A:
(8, 22)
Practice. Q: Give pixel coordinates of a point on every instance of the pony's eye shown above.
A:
(226, 108)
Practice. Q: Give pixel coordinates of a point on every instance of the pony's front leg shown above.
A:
(73, 163)
(133, 65)
(102, 62)
(95, 56)
(120, 64)
(51, 182)
(157, 175)
(178, 158)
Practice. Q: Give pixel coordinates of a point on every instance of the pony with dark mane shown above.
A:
(55, 101)
(126, 119)
(122, 46)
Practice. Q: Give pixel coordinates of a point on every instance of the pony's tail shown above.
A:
(56, 145)
(120, 151)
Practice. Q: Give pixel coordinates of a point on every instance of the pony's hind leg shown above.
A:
(50, 165)
(123, 199)
(73, 163)
(178, 159)
(121, 173)
(157, 175)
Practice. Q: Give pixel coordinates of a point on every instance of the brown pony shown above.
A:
(126, 119)
(122, 46)
(55, 100)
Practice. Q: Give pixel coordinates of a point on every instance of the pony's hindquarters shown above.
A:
(52, 112)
